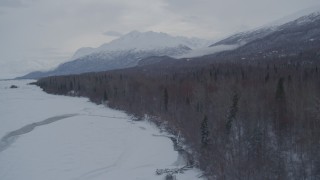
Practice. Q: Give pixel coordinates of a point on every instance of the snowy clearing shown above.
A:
(57, 137)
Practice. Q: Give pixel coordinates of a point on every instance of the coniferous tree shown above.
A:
(71, 85)
(204, 131)
(266, 79)
(105, 96)
(281, 119)
(280, 95)
(232, 112)
(166, 99)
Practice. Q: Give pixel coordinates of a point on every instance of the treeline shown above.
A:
(257, 121)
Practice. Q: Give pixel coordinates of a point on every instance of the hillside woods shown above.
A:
(259, 121)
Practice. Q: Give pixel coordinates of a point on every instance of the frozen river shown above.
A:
(46, 137)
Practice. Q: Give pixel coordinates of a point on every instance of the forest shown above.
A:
(239, 120)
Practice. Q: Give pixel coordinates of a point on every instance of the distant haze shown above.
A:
(40, 34)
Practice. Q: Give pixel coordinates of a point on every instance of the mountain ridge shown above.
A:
(135, 46)
(143, 41)
(123, 52)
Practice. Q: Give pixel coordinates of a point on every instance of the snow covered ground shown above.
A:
(57, 137)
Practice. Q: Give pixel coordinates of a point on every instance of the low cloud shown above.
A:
(113, 33)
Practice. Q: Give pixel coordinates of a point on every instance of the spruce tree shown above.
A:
(166, 99)
(281, 106)
(204, 131)
(105, 96)
(232, 112)
(280, 94)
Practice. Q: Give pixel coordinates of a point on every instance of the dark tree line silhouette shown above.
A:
(241, 120)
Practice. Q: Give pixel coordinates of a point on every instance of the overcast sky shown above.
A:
(39, 34)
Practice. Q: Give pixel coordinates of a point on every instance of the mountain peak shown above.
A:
(148, 34)
(150, 40)
(133, 33)
(144, 41)
(82, 52)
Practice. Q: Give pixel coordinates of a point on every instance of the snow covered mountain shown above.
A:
(109, 60)
(144, 41)
(288, 38)
(124, 52)
(240, 39)
(150, 40)
(243, 38)
(297, 41)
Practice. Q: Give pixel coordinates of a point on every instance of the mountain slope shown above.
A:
(143, 41)
(259, 33)
(289, 40)
(286, 40)
(108, 60)
(296, 41)
(240, 39)
(124, 52)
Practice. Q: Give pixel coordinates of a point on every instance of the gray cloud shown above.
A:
(113, 33)
(28, 33)
(12, 3)
(229, 16)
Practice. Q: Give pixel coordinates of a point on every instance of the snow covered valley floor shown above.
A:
(44, 137)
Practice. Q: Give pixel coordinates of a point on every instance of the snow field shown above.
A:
(96, 143)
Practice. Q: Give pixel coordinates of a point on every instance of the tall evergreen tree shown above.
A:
(232, 112)
(204, 131)
(280, 94)
(166, 99)
(105, 96)
(281, 117)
